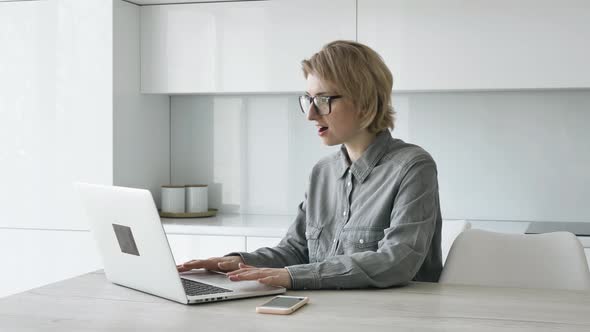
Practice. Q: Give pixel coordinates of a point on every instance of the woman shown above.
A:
(371, 215)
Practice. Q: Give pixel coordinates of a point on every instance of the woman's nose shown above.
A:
(311, 113)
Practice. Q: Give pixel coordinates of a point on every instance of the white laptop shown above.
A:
(135, 251)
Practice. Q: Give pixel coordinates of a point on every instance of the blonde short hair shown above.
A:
(360, 74)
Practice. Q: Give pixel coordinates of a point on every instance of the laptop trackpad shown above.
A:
(223, 281)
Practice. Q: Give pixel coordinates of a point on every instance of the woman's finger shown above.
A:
(240, 271)
(182, 268)
(209, 264)
(270, 280)
(187, 266)
(249, 275)
(242, 267)
(226, 266)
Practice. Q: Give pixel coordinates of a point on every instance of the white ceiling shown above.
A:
(159, 2)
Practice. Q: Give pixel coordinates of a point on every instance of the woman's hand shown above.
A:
(268, 276)
(222, 264)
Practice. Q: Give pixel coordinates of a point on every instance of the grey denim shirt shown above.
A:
(373, 223)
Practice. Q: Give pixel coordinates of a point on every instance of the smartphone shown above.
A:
(282, 305)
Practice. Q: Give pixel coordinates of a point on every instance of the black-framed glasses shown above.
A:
(323, 104)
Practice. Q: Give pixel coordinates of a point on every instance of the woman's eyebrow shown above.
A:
(317, 94)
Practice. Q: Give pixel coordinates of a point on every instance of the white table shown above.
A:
(91, 303)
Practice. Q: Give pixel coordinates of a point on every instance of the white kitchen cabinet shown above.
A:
(187, 247)
(587, 251)
(467, 44)
(254, 46)
(255, 242)
(33, 258)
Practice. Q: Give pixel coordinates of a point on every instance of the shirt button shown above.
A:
(334, 241)
(361, 241)
(349, 183)
(344, 213)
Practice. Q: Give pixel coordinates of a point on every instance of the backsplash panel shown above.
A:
(512, 155)
(501, 155)
(254, 152)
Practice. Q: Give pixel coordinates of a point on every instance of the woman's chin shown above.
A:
(329, 141)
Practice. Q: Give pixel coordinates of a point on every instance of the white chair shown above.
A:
(450, 230)
(550, 260)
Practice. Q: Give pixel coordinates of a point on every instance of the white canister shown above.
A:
(197, 198)
(173, 199)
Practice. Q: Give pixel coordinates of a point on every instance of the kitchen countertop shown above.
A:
(581, 229)
(578, 228)
(276, 226)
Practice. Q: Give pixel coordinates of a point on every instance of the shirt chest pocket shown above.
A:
(358, 239)
(312, 234)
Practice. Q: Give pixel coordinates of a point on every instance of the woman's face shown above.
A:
(342, 123)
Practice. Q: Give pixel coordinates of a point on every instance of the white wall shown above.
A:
(519, 155)
(55, 109)
(141, 123)
(55, 128)
(70, 110)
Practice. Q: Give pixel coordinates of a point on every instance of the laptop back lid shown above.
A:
(131, 240)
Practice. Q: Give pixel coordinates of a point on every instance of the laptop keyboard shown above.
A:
(195, 288)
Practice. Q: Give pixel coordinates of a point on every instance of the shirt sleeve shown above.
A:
(402, 250)
(292, 250)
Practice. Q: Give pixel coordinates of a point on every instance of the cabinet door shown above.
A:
(587, 251)
(466, 44)
(187, 247)
(254, 46)
(33, 258)
(254, 242)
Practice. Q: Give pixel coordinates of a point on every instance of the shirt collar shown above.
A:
(363, 166)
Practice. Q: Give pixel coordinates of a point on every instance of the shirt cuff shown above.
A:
(304, 276)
